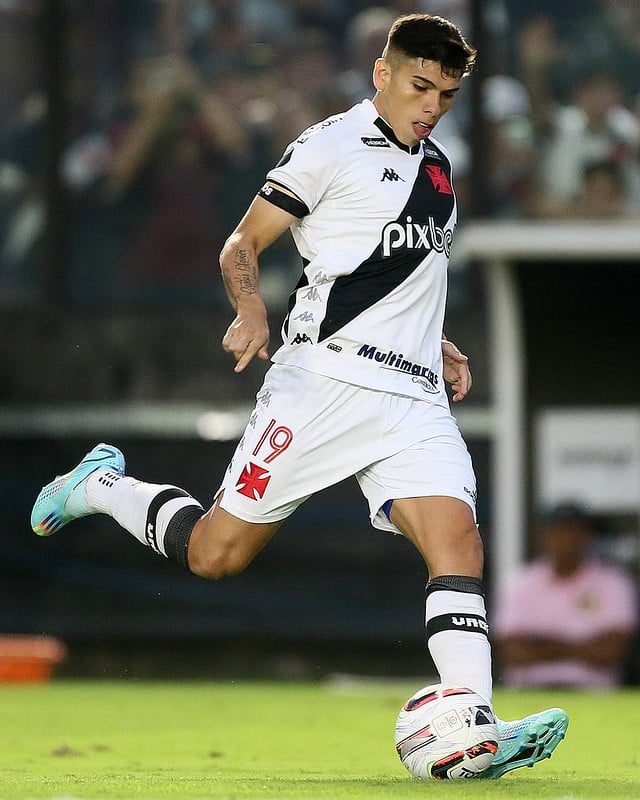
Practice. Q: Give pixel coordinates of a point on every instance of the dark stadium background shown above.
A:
(329, 593)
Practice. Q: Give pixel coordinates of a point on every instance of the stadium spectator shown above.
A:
(611, 34)
(595, 126)
(512, 147)
(23, 200)
(567, 618)
(164, 180)
(603, 195)
(305, 89)
(575, 37)
(365, 37)
(581, 102)
(20, 49)
(368, 198)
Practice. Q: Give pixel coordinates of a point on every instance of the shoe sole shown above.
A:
(541, 734)
(49, 514)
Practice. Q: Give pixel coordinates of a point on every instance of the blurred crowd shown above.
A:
(174, 110)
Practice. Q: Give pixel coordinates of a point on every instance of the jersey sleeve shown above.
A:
(306, 169)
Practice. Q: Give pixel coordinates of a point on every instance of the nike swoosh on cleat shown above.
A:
(101, 458)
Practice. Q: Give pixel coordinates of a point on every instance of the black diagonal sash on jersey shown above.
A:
(378, 275)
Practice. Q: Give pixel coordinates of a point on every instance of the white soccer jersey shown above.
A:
(374, 230)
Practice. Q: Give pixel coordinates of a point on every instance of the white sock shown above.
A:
(102, 488)
(145, 510)
(457, 637)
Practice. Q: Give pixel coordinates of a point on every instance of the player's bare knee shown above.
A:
(459, 554)
(218, 564)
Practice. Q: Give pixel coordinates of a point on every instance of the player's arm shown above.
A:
(605, 649)
(609, 649)
(456, 369)
(521, 650)
(248, 334)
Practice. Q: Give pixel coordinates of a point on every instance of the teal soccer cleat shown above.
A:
(59, 503)
(524, 742)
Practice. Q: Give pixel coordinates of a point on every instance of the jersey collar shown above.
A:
(412, 149)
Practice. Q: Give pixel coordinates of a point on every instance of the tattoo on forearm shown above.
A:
(245, 272)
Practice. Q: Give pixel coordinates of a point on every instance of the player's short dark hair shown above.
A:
(433, 38)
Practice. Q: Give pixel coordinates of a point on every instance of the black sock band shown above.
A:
(470, 623)
(156, 504)
(455, 583)
(178, 533)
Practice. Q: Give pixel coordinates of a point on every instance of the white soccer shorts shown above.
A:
(308, 432)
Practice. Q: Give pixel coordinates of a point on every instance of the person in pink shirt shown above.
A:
(567, 618)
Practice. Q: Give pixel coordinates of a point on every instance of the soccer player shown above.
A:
(358, 386)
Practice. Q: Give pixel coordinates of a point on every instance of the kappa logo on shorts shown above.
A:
(472, 494)
(253, 481)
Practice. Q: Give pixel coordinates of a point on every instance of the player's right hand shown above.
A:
(247, 336)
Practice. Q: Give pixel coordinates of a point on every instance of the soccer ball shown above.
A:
(446, 732)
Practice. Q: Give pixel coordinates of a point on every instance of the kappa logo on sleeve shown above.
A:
(253, 481)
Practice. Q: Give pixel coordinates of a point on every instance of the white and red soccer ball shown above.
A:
(446, 732)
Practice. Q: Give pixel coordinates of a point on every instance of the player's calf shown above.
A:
(222, 545)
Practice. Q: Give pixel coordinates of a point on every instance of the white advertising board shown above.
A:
(590, 455)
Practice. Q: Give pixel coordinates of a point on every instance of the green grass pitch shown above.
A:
(68, 740)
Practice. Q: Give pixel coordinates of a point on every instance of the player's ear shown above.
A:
(381, 73)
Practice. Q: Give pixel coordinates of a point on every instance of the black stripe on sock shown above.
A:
(152, 514)
(178, 533)
(470, 623)
(455, 583)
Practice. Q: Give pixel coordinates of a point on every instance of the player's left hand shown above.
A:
(456, 370)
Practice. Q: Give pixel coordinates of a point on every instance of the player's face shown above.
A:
(413, 94)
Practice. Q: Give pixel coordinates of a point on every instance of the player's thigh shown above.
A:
(444, 531)
(307, 432)
(433, 462)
